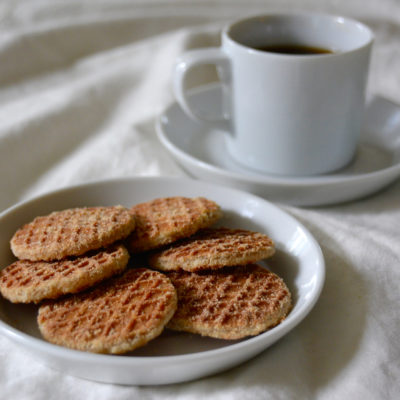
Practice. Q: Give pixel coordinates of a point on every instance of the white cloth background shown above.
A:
(81, 83)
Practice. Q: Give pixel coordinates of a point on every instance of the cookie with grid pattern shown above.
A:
(71, 232)
(231, 303)
(165, 220)
(214, 248)
(115, 317)
(27, 281)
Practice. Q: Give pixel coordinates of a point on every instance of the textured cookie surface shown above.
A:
(231, 303)
(165, 220)
(214, 248)
(27, 281)
(71, 232)
(116, 316)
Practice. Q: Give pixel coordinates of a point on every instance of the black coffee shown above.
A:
(293, 49)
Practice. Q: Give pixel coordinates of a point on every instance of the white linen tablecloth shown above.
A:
(81, 83)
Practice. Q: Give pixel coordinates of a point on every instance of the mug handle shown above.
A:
(193, 58)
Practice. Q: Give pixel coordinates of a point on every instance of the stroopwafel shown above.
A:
(229, 304)
(27, 281)
(71, 232)
(117, 316)
(214, 248)
(165, 220)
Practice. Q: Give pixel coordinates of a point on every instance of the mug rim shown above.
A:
(227, 32)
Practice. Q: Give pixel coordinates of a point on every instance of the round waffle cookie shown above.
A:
(116, 316)
(214, 248)
(71, 232)
(165, 220)
(27, 281)
(229, 304)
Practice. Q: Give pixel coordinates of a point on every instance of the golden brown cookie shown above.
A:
(117, 316)
(27, 281)
(231, 303)
(214, 248)
(71, 232)
(165, 220)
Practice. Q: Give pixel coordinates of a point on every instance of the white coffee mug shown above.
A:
(288, 114)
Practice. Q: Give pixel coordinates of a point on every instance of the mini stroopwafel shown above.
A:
(214, 248)
(165, 220)
(32, 281)
(71, 232)
(229, 304)
(116, 316)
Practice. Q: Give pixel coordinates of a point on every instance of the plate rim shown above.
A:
(311, 181)
(284, 327)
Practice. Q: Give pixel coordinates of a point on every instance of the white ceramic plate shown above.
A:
(202, 152)
(173, 357)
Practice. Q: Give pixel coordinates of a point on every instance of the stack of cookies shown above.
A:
(184, 274)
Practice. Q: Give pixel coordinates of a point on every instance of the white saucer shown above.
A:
(173, 356)
(202, 152)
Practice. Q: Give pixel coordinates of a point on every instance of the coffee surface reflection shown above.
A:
(294, 49)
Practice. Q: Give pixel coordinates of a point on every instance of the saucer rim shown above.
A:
(268, 179)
